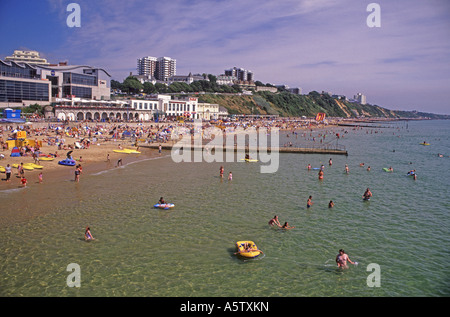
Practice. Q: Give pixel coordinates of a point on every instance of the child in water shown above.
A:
(88, 235)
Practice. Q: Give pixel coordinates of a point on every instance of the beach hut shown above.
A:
(9, 113)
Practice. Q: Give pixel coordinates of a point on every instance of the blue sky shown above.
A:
(312, 44)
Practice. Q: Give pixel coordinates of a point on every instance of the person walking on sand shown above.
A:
(21, 170)
(40, 178)
(8, 173)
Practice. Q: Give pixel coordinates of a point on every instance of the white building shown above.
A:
(165, 106)
(360, 98)
(207, 111)
(165, 68)
(226, 80)
(147, 66)
(189, 79)
(160, 68)
(30, 57)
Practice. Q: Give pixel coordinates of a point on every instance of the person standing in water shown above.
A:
(320, 174)
(342, 258)
(309, 202)
(367, 194)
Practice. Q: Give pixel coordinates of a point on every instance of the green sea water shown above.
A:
(189, 250)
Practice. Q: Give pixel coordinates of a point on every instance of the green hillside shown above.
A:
(286, 104)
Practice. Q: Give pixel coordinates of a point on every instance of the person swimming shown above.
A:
(286, 226)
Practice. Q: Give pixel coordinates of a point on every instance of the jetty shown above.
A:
(287, 149)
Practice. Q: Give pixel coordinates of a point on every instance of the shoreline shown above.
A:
(94, 157)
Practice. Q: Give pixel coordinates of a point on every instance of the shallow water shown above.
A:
(188, 250)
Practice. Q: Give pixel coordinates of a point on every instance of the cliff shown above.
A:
(286, 104)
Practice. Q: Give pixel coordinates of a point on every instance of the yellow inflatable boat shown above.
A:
(247, 249)
(25, 167)
(33, 165)
(127, 151)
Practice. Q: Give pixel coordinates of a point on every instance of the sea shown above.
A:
(399, 238)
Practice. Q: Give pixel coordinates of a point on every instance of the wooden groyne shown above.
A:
(296, 150)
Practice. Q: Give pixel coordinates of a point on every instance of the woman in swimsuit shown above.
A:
(286, 226)
(88, 234)
(321, 174)
(342, 258)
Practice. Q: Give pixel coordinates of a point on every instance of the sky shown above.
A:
(321, 45)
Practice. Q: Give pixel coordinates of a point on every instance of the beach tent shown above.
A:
(15, 152)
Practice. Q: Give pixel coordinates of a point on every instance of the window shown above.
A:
(17, 91)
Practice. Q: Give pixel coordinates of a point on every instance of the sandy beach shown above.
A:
(98, 154)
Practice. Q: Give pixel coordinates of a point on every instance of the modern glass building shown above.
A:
(25, 84)
(21, 84)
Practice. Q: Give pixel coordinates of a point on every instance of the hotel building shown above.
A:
(30, 57)
(160, 68)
